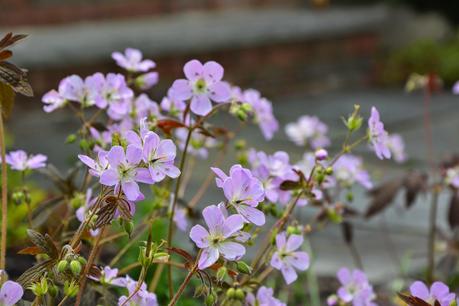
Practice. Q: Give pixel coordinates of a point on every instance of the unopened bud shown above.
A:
(210, 300)
(71, 138)
(71, 288)
(82, 260)
(84, 145)
(321, 154)
(75, 267)
(62, 266)
(128, 227)
(329, 171)
(239, 294)
(231, 293)
(18, 197)
(243, 267)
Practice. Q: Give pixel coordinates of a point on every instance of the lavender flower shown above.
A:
(74, 88)
(263, 112)
(82, 212)
(173, 106)
(180, 219)
(132, 61)
(141, 298)
(160, 155)
(452, 177)
(123, 171)
(456, 88)
(10, 293)
(202, 85)
(308, 130)
(264, 298)
(96, 167)
(147, 80)
(286, 258)
(397, 147)
(18, 160)
(53, 101)
(114, 93)
(243, 192)
(348, 170)
(220, 237)
(355, 288)
(378, 136)
(109, 276)
(438, 292)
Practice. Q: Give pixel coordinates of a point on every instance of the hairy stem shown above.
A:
(4, 197)
(182, 287)
(174, 204)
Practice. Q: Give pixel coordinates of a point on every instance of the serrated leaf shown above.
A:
(45, 243)
(414, 301)
(6, 99)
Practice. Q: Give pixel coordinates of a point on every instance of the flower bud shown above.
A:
(18, 197)
(334, 216)
(62, 266)
(41, 288)
(82, 260)
(84, 145)
(243, 267)
(239, 294)
(161, 256)
(321, 154)
(221, 273)
(350, 196)
(354, 122)
(240, 144)
(75, 267)
(211, 299)
(71, 288)
(231, 293)
(329, 171)
(71, 138)
(53, 290)
(128, 227)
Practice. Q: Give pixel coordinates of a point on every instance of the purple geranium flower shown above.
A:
(203, 84)
(378, 136)
(456, 88)
(348, 169)
(53, 101)
(264, 298)
(308, 130)
(355, 288)
(141, 298)
(263, 112)
(74, 88)
(243, 192)
(109, 276)
(82, 212)
(438, 292)
(160, 155)
(131, 60)
(10, 293)
(123, 171)
(147, 80)
(114, 93)
(180, 219)
(96, 167)
(286, 258)
(18, 160)
(397, 147)
(220, 237)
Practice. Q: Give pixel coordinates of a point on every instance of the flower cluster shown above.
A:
(308, 130)
(355, 289)
(19, 161)
(438, 292)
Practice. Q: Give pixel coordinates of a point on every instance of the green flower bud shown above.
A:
(161, 256)
(231, 293)
(239, 294)
(128, 227)
(82, 260)
(210, 300)
(334, 216)
(53, 290)
(243, 267)
(75, 267)
(18, 197)
(62, 266)
(41, 288)
(71, 288)
(329, 171)
(246, 107)
(240, 144)
(350, 196)
(221, 273)
(84, 145)
(71, 138)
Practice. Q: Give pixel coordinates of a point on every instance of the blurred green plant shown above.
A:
(423, 57)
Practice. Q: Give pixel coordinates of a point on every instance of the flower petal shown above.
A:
(420, 290)
(131, 190)
(232, 224)
(299, 260)
(220, 92)
(201, 105)
(231, 250)
(199, 235)
(116, 156)
(109, 177)
(252, 214)
(289, 274)
(193, 70)
(294, 242)
(208, 257)
(213, 218)
(11, 293)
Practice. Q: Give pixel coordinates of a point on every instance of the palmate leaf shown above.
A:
(34, 274)
(44, 242)
(7, 96)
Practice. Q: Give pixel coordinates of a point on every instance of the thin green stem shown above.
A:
(431, 241)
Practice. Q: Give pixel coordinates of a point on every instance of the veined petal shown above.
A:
(133, 154)
(208, 257)
(109, 177)
(220, 92)
(289, 274)
(299, 260)
(294, 242)
(116, 156)
(252, 214)
(420, 290)
(231, 250)
(11, 293)
(276, 261)
(131, 190)
(193, 70)
(199, 235)
(232, 224)
(213, 218)
(201, 105)
(212, 71)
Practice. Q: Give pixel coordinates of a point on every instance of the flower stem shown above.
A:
(4, 197)
(183, 285)
(432, 230)
(174, 204)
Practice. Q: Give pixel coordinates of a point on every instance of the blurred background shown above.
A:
(316, 57)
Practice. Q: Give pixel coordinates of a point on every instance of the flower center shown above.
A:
(200, 86)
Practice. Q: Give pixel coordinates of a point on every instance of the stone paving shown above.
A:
(35, 131)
